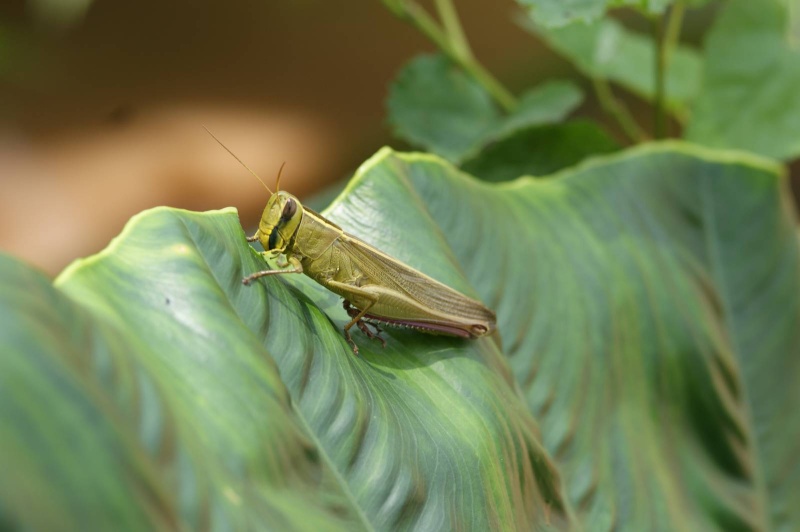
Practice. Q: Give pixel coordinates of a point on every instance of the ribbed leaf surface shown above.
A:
(647, 305)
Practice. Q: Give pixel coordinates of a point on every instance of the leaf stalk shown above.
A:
(610, 104)
(449, 37)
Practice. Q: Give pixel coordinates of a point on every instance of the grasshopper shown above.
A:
(377, 289)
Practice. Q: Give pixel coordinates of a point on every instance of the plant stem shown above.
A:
(794, 25)
(617, 109)
(453, 29)
(672, 34)
(456, 52)
(661, 51)
(501, 95)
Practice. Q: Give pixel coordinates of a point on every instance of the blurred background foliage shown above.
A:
(102, 103)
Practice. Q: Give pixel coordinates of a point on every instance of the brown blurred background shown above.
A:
(101, 113)
(102, 104)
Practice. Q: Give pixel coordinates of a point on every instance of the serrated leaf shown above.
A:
(607, 50)
(435, 105)
(750, 98)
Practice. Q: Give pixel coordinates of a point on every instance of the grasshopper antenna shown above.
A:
(278, 179)
(240, 161)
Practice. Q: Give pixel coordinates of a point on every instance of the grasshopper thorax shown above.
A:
(280, 221)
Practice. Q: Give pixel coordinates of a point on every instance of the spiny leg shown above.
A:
(356, 319)
(353, 312)
(364, 325)
(366, 295)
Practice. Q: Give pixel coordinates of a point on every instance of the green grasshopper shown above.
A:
(377, 289)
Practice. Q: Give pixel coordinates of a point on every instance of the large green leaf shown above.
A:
(428, 433)
(750, 98)
(435, 105)
(142, 401)
(606, 50)
(648, 304)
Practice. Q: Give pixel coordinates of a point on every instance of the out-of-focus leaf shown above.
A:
(539, 151)
(751, 91)
(555, 13)
(63, 453)
(435, 105)
(607, 50)
(548, 103)
(140, 400)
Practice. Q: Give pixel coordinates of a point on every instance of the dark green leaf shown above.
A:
(435, 105)
(539, 151)
(751, 91)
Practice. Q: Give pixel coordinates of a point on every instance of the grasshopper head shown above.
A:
(280, 221)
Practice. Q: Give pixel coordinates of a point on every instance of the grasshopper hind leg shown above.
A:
(353, 312)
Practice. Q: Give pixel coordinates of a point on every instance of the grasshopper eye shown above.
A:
(289, 209)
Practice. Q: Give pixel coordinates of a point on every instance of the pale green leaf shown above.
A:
(607, 50)
(554, 13)
(751, 91)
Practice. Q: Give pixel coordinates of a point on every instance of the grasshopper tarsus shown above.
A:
(351, 342)
(383, 341)
(253, 238)
(364, 326)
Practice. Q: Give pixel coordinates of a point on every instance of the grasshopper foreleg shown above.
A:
(252, 238)
(290, 261)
